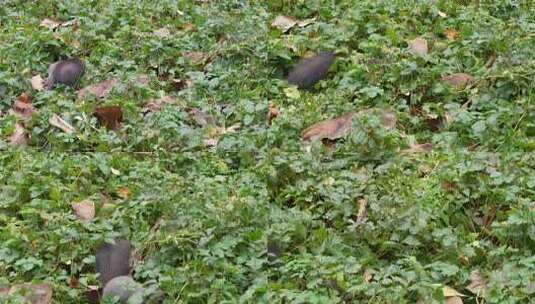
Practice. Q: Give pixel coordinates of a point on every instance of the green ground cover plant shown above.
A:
(210, 178)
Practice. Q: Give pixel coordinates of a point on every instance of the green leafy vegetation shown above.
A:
(224, 207)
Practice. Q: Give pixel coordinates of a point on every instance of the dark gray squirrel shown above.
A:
(67, 72)
(311, 70)
(114, 268)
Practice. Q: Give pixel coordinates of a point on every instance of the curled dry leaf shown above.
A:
(451, 34)
(306, 22)
(23, 106)
(163, 32)
(84, 210)
(100, 90)
(196, 57)
(284, 23)
(367, 276)
(19, 136)
(142, 80)
(330, 129)
(336, 128)
(272, 113)
(37, 83)
(418, 46)
(58, 122)
(210, 142)
(201, 118)
(123, 192)
(33, 293)
(419, 148)
(157, 104)
(109, 116)
(363, 210)
(50, 24)
(450, 292)
(458, 80)
(454, 300)
(477, 285)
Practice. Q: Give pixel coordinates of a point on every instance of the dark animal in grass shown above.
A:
(114, 268)
(67, 72)
(311, 70)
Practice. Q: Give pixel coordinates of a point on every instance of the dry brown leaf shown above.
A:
(284, 23)
(453, 300)
(188, 27)
(363, 210)
(458, 80)
(109, 116)
(478, 284)
(142, 80)
(33, 293)
(58, 122)
(418, 46)
(272, 113)
(163, 32)
(37, 83)
(84, 210)
(201, 118)
(330, 129)
(336, 128)
(419, 148)
(196, 57)
(23, 106)
(50, 24)
(210, 142)
(157, 104)
(19, 136)
(100, 90)
(451, 34)
(123, 192)
(306, 22)
(450, 292)
(367, 276)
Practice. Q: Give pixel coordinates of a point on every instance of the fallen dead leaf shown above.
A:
(58, 122)
(330, 129)
(451, 34)
(272, 113)
(458, 80)
(442, 14)
(284, 23)
(210, 142)
(163, 32)
(478, 284)
(33, 293)
(84, 210)
(109, 116)
(74, 282)
(453, 300)
(142, 80)
(23, 106)
(419, 148)
(50, 24)
(450, 292)
(123, 192)
(363, 210)
(37, 83)
(100, 90)
(201, 118)
(196, 57)
(367, 276)
(418, 46)
(180, 84)
(18, 137)
(306, 22)
(336, 128)
(157, 104)
(188, 27)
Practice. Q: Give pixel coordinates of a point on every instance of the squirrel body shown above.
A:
(67, 72)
